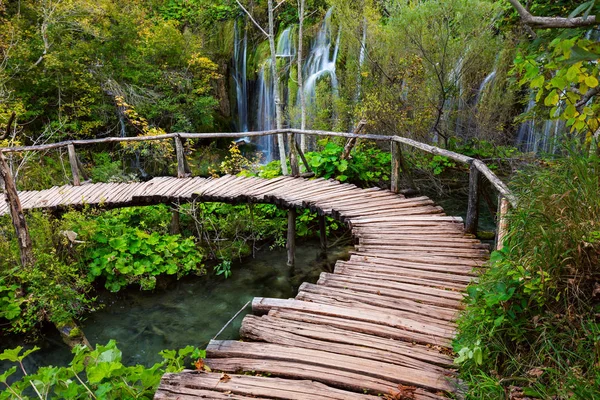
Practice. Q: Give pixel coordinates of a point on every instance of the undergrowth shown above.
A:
(531, 327)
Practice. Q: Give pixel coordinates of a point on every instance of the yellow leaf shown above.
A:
(591, 81)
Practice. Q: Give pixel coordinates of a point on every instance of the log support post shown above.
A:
(291, 238)
(399, 168)
(396, 167)
(323, 235)
(16, 213)
(295, 167)
(175, 227)
(74, 165)
(183, 169)
(473, 207)
(503, 206)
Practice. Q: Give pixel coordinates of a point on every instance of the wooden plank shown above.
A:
(427, 251)
(402, 351)
(413, 329)
(257, 329)
(433, 279)
(416, 290)
(255, 387)
(368, 328)
(335, 378)
(434, 315)
(308, 358)
(451, 264)
(389, 263)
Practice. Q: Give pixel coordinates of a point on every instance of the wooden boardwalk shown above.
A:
(381, 324)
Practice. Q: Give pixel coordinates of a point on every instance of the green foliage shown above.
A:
(97, 374)
(533, 311)
(367, 165)
(235, 162)
(560, 74)
(131, 245)
(52, 290)
(223, 268)
(63, 73)
(106, 170)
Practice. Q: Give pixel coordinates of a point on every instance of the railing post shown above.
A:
(74, 166)
(396, 167)
(503, 206)
(16, 214)
(473, 208)
(182, 171)
(323, 234)
(295, 167)
(291, 238)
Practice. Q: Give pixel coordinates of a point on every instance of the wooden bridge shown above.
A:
(381, 324)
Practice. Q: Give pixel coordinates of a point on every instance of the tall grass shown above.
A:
(534, 316)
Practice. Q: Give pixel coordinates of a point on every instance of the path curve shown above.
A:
(382, 323)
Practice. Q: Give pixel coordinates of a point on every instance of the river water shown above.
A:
(189, 311)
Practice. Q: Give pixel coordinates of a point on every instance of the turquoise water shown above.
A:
(189, 311)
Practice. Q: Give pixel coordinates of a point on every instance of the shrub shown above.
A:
(533, 312)
(96, 373)
(131, 245)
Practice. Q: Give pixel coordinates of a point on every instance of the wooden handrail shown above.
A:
(500, 186)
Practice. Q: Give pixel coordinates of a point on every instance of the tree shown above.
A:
(301, 16)
(275, 74)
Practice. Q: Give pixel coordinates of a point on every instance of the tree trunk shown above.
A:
(277, 95)
(16, 213)
(350, 143)
(301, 77)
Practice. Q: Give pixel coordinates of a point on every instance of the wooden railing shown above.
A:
(476, 167)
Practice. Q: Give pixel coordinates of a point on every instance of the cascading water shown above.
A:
(361, 60)
(486, 82)
(265, 110)
(265, 117)
(535, 136)
(240, 54)
(321, 61)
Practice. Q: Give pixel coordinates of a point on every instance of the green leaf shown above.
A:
(7, 373)
(551, 99)
(97, 373)
(537, 82)
(11, 354)
(478, 355)
(580, 54)
(587, 6)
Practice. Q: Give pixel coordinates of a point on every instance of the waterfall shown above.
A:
(540, 136)
(286, 45)
(265, 110)
(488, 79)
(361, 60)
(240, 53)
(321, 61)
(266, 117)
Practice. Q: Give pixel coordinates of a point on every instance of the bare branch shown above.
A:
(252, 18)
(586, 97)
(8, 126)
(551, 22)
(278, 4)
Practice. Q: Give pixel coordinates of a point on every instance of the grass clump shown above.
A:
(531, 327)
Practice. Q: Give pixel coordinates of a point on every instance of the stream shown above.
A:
(189, 311)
